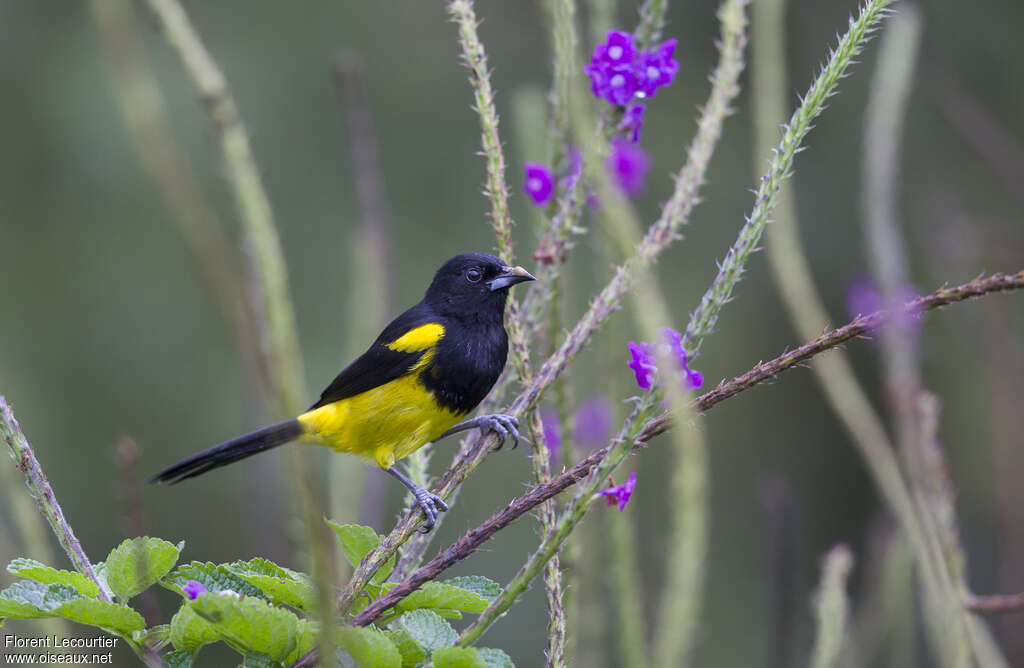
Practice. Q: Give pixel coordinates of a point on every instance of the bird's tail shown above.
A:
(231, 451)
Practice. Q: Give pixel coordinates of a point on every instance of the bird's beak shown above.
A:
(510, 276)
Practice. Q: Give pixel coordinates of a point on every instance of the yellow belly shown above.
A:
(384, 424)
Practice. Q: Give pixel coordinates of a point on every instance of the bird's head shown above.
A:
(473, 283)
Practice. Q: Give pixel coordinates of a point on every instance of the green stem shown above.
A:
(251, 199)
(626, 588)
(277, 310)
(144, 113)
(652, 21)
(659, 236)
(832, 607)
(39, 487)
(731, 268)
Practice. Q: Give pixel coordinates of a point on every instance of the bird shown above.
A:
(415, 384)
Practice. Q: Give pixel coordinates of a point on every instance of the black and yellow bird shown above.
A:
(426, 371)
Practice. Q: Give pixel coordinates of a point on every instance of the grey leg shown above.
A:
(428, 502)
(501, 424)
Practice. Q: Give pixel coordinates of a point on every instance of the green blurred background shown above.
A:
(107, 330)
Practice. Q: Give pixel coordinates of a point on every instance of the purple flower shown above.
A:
(552, 432)
(619, 494)
(628, 164)
(612, 68)
(655, 69)
(617, 50)
(862, 297)
(619, 73)
(193, 589)
(539, 183)
(593, 422)
(694, 378)
(633, 120)
(642, 363)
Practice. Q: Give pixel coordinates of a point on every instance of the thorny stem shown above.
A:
(652, 21)
(731, 268)
(496, 190)
(39, 487)
(253, 204)
(256, 216)
(661, 234)
(761, 372)
(142, 107)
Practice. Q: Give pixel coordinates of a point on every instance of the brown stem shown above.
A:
(996, 603)
(761, 372)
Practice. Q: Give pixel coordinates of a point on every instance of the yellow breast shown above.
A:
(390, 421)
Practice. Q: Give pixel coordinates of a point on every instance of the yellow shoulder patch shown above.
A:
(418, 338)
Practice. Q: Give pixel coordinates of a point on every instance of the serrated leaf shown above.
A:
(495, 658)
(178, 659)
(190, 632)
(411, 651)
(281, 585)
(443, 596)
(214, 577)
(33, 600)
(457, 657)
(137, 563)
(368, 647)
(478, 584)
(428, 629)
(250, 624)
(356, 542)
(34, 570)
(120, 619)
(100, 570)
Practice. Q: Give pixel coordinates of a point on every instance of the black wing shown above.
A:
(379, 364)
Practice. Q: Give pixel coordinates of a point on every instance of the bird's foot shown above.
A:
(431, 504)
(502, 424)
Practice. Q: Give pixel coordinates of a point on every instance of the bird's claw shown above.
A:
(503, 425)
(431, 504)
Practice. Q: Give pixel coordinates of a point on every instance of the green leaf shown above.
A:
(412, 653)
(119, 619)
(34, 570)
(250, 624)
(458, 657)
(282, 585)
(356, 542)
(306, 637)
(478, 584)
(257, 660)
(33, 600)
(156, 637)
(190, 632)
(368, 647)
(428, 629)
(178, 659)
(443, 596)
(137, 563)
(215, 577)
(495, 658)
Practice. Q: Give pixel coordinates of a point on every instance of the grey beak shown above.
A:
(510, 276)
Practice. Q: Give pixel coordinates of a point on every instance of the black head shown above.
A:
(473, 283)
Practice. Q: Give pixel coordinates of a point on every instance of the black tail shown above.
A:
(231, 451)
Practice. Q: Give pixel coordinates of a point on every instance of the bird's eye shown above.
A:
(473, 275)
